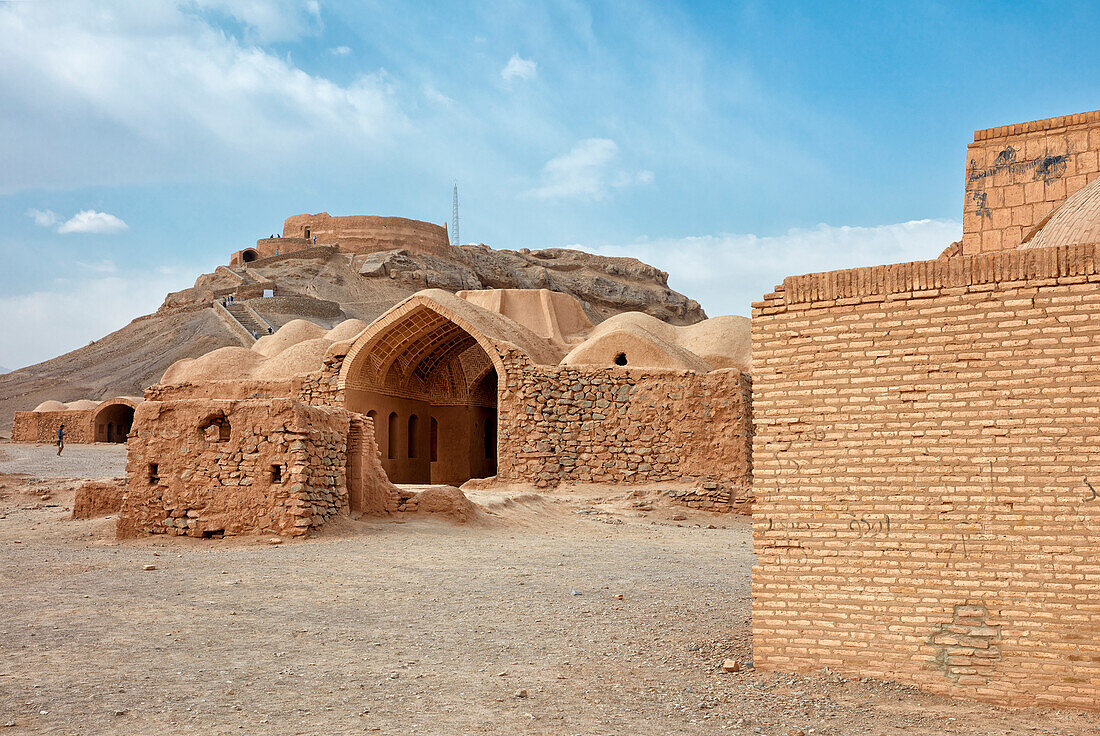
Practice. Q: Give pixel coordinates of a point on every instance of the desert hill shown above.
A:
(327, 286)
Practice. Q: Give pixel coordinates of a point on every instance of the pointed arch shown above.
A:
(438, 359)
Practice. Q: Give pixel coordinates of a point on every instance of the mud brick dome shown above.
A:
(1076, 221)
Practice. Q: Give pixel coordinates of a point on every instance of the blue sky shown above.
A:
(728, 143)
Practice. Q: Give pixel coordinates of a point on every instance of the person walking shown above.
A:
(60, 439)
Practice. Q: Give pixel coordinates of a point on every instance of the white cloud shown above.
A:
(585, 172)
(519, 68)
(47, 323)
(90, 221)
(340, 51)
(163, 94)
(726, 273)
(434, 95)
(104, 266)
(267, 20)
(43, 218)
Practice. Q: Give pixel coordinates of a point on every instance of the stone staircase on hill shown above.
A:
(246, 319)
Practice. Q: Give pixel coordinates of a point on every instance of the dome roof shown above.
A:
(1075, 221)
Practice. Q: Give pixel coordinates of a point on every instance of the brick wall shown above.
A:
(184, 477)
(619, 425)
(1017, 174)
(41, 426)
(927, 438)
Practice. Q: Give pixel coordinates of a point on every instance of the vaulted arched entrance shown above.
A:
(430, 382)
(113, 419)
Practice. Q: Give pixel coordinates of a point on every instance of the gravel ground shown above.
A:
(417, 626)
(76, 461)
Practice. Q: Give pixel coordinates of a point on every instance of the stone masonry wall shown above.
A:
(41, 426)
(618, 425)
(321, 388)
(1017, 174)
(278, 467)
(928, 506)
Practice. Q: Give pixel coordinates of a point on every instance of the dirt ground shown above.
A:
(413, 626)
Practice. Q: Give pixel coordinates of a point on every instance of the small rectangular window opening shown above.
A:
(276, 473)
(154, 473)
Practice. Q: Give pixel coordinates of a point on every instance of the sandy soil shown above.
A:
(76, 461)
(415, 626)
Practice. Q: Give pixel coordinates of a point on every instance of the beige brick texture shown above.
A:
(1016, 175)
(926, 475)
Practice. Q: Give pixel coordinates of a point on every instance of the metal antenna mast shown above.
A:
(454, 219)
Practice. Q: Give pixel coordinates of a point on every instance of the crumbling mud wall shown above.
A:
(98, 498)
(208, 467)
(1016, 175)
(622, 425)
(927, 503)
(41, 426)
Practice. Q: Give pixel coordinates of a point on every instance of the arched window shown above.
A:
(433, 440)
(391, 451)
(414, 430)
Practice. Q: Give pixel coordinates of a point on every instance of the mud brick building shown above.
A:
(1017, 175)
(927, 437)
(440, 389)
(85, 421)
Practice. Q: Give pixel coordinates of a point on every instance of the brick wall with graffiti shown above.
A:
(1017, 174)
(926, 463)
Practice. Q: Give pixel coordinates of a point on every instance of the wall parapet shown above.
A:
(1072, 263)
(1033, 126)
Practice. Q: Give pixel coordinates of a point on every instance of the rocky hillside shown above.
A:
(325, 286)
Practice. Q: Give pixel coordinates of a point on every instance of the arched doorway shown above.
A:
(113, 420)
(425, 368)
(248, 255)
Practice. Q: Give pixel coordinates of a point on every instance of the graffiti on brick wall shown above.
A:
(869, 527)
(1042, 168)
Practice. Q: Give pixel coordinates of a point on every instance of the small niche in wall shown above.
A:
(620, 359)
(154, 474)
(216, 429)
(277, 473)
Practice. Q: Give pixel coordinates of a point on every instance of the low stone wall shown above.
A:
(41, 426)
(208, 467)
(714, 496)
(98, 498)
(926, 438)
(562, 424)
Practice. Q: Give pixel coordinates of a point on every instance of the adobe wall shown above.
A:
(98, 498)
(184, 479)
(926, 509)
(41, 426)
(629, 425)
(268, 248)
(366, 233)
(1017, 174)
